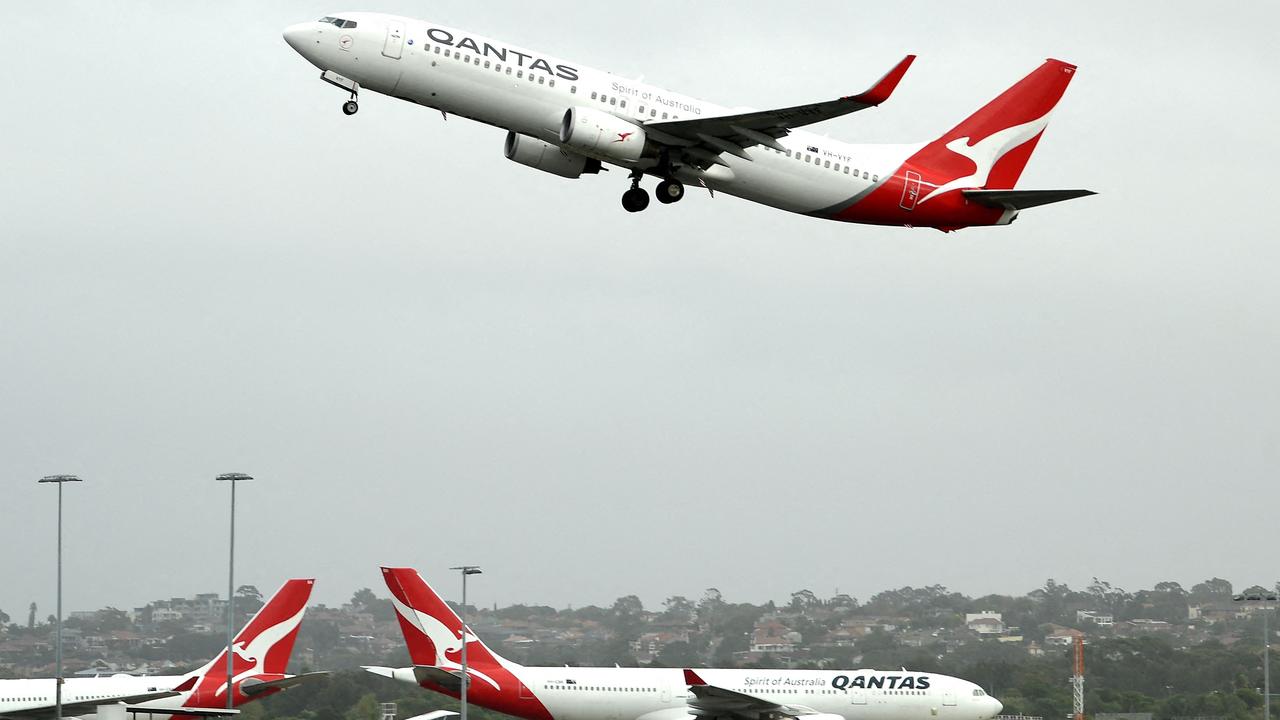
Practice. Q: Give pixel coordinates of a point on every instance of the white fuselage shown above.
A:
(20, 695)
(626, 694)
(528, 92)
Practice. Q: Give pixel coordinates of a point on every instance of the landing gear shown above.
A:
(350, 107)
(670, 191)
(635, 199)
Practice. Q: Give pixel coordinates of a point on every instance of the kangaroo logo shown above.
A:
(254, 651)
(444, 640)
(987, 152)
(622, 137)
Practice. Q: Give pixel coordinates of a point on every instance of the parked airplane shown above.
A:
(569, 120)
(262, 650)
(434, 636)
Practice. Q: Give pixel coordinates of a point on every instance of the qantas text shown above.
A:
(891, 682)
(444, 37)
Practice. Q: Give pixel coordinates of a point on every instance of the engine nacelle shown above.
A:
(546, 157)
(602, 135)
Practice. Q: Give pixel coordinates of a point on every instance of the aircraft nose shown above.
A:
(996, 706)
(296, 35)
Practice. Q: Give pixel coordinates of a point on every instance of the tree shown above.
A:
(363, 598)
(802, 600)
(4, 618)
(677, 607)
(1212, 589)
(31, 617)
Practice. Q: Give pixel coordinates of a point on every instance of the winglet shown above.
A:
(188, 684)
(691, 678)
(885, 87)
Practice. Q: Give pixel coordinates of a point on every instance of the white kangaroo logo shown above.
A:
(255, 651)
(987, 152)
(444, 639)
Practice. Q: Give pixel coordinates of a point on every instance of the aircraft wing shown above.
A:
(710, 136)
(710, 701)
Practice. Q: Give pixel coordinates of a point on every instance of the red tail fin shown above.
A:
(432, 630)
(991, 148)
(264, 644)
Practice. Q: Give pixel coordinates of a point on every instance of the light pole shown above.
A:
(1263, 598)
(466, 679)
(232, 478)
(60, 480)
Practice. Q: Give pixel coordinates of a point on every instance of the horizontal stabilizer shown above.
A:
(448, 679)
(445, 678)
(141, 712)
(252, 686)
(435, 715)
(1022, 199)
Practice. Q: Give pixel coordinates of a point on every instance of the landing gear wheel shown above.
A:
(670, 191)
(350, 107)
(635, 199)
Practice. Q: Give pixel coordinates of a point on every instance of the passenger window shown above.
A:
(437, 49)
(653, 112)
(508, 69)
(477, 61)
(466, 59)
(875, 178)
(446, 53)
(486, 64)
(808, 158)
(826, 164)
(613, 101)
(542, 80)
(846, 169)
(551, 82)
(641, 109)
(520, 74)
(837, 167)
(594, 94)
(664, 116)
(573, 89)
(497, 66)
(624, 104)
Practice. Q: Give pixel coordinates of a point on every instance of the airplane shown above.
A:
(262, 650)
(570, 120)
(434, 635)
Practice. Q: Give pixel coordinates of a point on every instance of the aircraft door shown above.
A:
(858, 697)
(910, 190)
(666, 694)
(395, 39)
(949, 698)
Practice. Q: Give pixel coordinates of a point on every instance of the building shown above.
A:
(987, 623)
(1101, 619)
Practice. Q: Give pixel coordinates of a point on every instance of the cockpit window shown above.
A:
(978, 693)
(339, 22)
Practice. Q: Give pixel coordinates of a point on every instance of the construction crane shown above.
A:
(1077, 681)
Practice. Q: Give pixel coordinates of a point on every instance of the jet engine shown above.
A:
(597, 133)
(546, 157)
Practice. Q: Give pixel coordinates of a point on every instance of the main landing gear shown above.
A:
(637, 199)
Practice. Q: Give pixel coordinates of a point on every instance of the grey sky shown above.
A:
(430, 355)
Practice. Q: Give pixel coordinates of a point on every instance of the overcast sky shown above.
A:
(429, 355)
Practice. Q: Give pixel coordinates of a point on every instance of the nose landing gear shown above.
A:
(351, 106)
